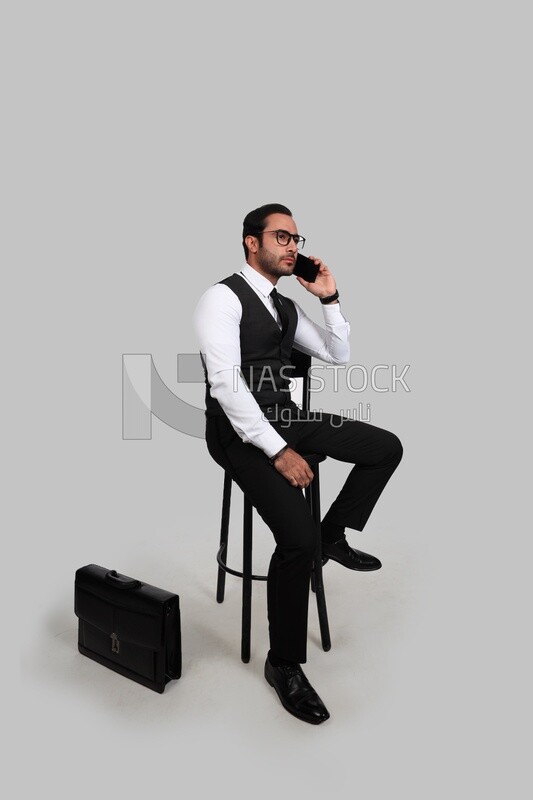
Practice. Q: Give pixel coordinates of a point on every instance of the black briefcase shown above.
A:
(131, 627)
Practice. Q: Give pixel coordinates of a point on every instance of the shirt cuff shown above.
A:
(332, 313)
(270, 442)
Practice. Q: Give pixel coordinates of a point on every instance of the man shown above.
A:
(255, 431)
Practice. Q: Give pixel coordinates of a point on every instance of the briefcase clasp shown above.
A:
(115, 644)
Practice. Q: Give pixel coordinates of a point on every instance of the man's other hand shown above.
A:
(294, 468)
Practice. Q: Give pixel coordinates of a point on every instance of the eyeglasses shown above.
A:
(284, 237)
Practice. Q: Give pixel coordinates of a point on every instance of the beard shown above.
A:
(273, 265)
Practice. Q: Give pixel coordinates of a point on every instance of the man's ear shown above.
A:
(252, 243)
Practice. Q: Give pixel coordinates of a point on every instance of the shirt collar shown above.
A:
(261, 283)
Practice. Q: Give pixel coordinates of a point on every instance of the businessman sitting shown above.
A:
(256, 432)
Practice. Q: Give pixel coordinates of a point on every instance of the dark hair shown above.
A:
(254, 222)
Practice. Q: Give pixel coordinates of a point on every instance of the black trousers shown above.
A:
(375, 453)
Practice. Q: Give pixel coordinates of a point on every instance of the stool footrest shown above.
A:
(224, 566)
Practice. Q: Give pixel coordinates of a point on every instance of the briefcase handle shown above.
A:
(121, 581)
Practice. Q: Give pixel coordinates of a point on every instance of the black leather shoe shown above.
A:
(296, 693)
(344, 554)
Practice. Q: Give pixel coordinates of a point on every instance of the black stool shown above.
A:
(301, 365)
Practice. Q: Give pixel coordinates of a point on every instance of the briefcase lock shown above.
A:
(115, 644)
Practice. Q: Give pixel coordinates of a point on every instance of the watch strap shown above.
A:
(330, 299)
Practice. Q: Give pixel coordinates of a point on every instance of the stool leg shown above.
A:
(314, 497)
(224, 532)
(309, 498)
(321, 602)
(246, 581)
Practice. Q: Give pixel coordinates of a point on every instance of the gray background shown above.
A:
(138, 137)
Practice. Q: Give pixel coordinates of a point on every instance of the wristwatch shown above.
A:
(277, 455)
(330, 299)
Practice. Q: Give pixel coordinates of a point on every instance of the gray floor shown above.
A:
(402, 683)
(222, 715)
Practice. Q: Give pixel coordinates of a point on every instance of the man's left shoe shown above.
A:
(296, 693)
(342, 553)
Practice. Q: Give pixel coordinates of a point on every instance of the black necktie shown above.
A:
(281, 311)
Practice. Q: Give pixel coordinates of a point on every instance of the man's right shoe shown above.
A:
(342, 553)
(296, 693)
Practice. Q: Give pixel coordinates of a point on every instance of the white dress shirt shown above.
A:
(217, 319)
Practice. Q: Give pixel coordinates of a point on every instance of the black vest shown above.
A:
(265, 356)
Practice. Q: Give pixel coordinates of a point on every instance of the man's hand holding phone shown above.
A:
(322, 284)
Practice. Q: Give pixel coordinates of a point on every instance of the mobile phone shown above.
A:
(305, 268)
